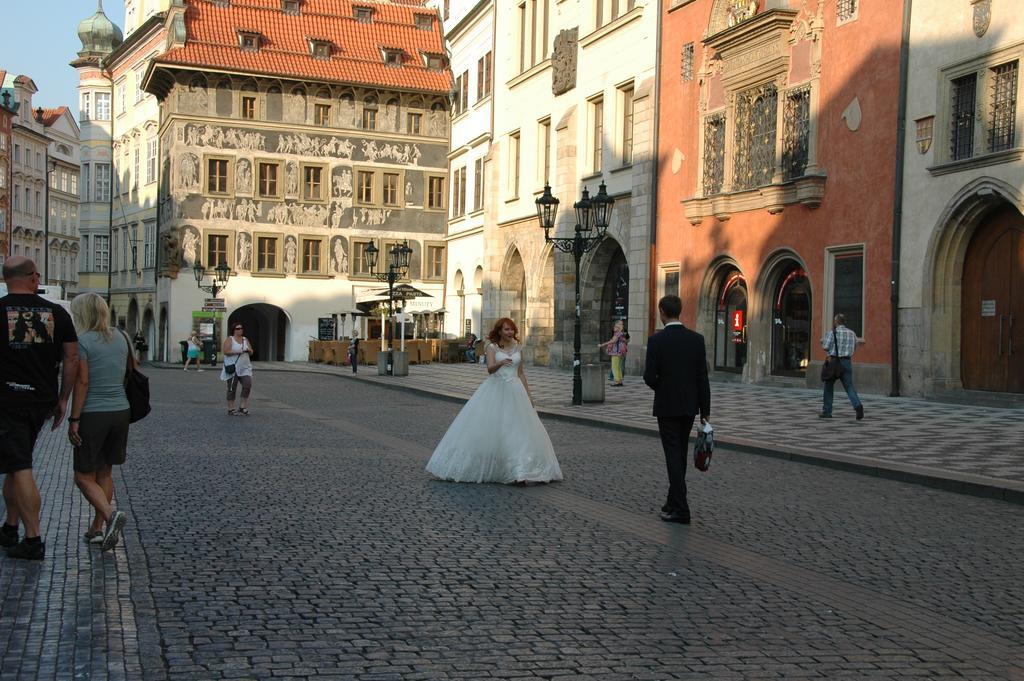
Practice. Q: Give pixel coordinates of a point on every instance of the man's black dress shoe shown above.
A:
(676, 518)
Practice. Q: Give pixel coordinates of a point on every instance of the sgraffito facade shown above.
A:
(288, 179)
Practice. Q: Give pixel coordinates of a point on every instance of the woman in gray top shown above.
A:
(98, 425)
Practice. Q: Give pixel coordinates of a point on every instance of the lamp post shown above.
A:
(592, 215)
(221, 274)
(398, 268)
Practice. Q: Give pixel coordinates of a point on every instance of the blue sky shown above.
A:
(41, 37)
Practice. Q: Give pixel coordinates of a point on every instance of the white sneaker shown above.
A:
(199, 370)
(113, 531)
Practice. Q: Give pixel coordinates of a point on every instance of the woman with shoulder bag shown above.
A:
(237, 369)
(100, 414)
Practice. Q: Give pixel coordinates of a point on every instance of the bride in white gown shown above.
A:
(498, 437)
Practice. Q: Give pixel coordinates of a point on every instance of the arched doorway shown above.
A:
(731, 322)
(614, 294)
(992, 356)
(512, 292)
(149, 333)
(162, 352)
(791, 321)
(266, 326)
(133, 316)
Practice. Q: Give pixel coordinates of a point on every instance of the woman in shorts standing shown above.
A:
(100, 414)
(237, 369)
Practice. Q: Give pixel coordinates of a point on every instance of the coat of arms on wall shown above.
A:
(563, 61)
(982, 16)
(741, 10)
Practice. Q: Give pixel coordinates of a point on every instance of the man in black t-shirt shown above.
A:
(36, 336)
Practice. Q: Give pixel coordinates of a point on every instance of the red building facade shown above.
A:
(777, 147)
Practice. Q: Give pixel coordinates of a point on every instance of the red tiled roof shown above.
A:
(212, 41)
(50, 116)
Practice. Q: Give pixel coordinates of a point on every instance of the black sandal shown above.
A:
(232, 412)
(243, 411)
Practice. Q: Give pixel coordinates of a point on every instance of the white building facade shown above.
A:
(574, 100)
(64, 154)
(961, 280)
(469, 33)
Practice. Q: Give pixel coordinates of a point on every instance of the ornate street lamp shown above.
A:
(221, 274)
(220, 278)
(592, 217)
(398, 268)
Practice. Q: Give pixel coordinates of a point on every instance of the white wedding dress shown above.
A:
(497, 437)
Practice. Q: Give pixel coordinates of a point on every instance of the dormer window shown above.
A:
(320, 49)
(363, 15)
(434, 62)
(290, 6)
(424, 22)
(392, 57)
(249, 41)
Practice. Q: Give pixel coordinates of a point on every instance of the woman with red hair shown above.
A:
(498, 437)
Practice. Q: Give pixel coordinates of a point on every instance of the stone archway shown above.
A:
(149, 333)
(162, 350)
(512, 291)
(542, 310)
(266, 326)
(941, 361)
(133, 316)
(780, 326)
(604, 295)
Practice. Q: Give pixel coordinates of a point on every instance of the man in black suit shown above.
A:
(677, 372)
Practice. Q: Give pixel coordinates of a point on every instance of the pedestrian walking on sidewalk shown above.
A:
(676, 370)
(840, 342)
(36, 336)
(616, 349)
(193, 352)
(100, 415)
(237, 369)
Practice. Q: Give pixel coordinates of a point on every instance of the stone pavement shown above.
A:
(978, 450)
(307, 542)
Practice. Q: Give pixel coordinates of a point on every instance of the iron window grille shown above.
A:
(1001, 134)
(797, 131)
(687, 62)
(846, 9)
(962, 133)
(756, 122)
(714, 153)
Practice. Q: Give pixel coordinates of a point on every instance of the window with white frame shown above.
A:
(544, 151)
(151, 154)
(459, 192)
(608, 11)
(85, 110)
(844, 276)
(479, 166)
(514, 151)
(484, 70)
(626, 96)
(102, 192)
(103, 106)
(149, 244)
(533, 32)
(101, 253)
(596, 133)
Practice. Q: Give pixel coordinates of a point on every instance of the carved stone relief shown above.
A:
(219, 138)
(399, 153)
(852, 115)
(339, 255)
(188, 172)
(290, 252)
(244, 259)
(982, 16)
(243, 176)
(171, 244)
(304, 145)
(437, 123)
(189, 246)
(292, 178)
(563, 61)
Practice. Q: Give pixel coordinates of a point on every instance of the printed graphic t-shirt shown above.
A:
(33, 331)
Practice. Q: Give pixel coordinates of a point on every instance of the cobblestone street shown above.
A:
(306, 542)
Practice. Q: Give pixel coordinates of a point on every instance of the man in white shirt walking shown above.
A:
(840, 344)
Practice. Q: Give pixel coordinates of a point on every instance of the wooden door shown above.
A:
(992, 348)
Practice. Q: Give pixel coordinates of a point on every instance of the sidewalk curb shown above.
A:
(961, 483)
